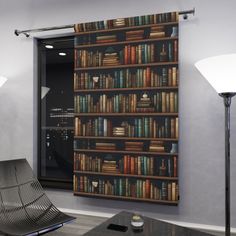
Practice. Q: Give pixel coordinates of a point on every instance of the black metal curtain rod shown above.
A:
(26, 32)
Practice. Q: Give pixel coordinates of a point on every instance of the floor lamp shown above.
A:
(220, 73)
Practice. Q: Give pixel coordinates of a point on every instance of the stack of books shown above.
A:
(106, 39)
(134, 146)
(105, 146)
(110, 57)
(120, 22)
(109, 166)
(156, 146)
(145, 104)
(118, 131)
(157, 32)
(134, 34)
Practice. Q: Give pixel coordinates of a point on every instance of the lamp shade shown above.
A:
(220, 72)
(2, 80)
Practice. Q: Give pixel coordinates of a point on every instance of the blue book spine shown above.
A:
(116, 79)
(121, 79)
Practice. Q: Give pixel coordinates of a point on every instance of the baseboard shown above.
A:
(180, 223)
(87, 213)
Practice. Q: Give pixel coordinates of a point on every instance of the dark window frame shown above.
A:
(46, 181)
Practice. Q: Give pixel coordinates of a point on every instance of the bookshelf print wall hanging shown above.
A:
(126, 109)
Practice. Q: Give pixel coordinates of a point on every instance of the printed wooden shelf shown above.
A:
(126, 66)
(125, 28)
(125, 152)
(125, 42)
(127, 114)
(165, 202)
(122, 45)
(125, 89)
(125, 175)
(127, 138)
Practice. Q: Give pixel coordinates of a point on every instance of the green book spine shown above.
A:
(145, 165)
(170, 51)
(82, 100)
(138, 188)
(139, 127)
(120, 188)
(145, 127)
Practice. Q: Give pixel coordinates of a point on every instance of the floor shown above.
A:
(84, 223)
(80, 226)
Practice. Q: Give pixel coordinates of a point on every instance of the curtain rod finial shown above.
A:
(18, 32)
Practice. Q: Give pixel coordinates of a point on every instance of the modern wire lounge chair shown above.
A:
(24, 207)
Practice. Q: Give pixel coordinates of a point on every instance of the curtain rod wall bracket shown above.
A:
(186, 13)
(26, 32)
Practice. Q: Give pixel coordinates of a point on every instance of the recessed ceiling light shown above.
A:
(62, 54)
(48, 46)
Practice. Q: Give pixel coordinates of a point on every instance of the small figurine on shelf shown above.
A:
(174, 31)
(144, 104)
(95, 186)
(174, 148)
(95, 82)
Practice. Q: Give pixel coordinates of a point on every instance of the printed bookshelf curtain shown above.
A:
(126, 108)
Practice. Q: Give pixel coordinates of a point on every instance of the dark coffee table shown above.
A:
(151, 227)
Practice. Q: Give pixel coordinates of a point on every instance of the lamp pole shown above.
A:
(227, 102)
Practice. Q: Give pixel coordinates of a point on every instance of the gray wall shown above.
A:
(210, 32)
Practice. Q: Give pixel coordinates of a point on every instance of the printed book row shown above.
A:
(136, 188)
(146, 127)
(129, 54)
(127, 78)
(127, 164)
(152, 32)
(127, 22)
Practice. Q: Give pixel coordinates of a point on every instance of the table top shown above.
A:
(151, 227)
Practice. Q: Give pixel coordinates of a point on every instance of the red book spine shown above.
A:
(148, 77)
(129, 54)
(132, 166)
(125, 164)
(126, 55)
(128, 165)
(133, 55)
(147, 188)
